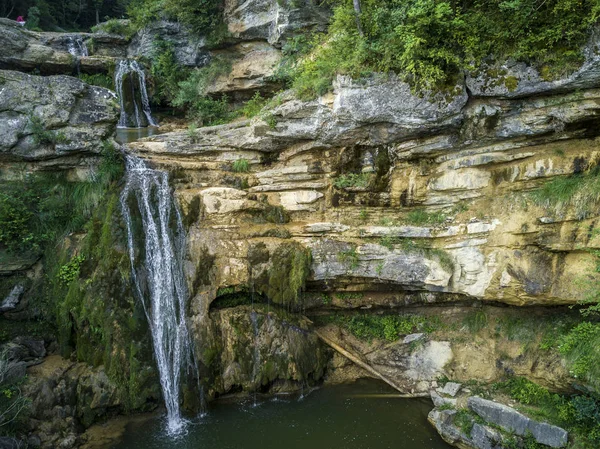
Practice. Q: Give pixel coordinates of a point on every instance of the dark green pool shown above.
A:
(338, 417)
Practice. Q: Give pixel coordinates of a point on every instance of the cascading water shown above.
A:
(76, 46)
(256, 357)
(158, 277)
(130, 82)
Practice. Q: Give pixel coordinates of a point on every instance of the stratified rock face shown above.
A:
(46, 53)
(272, 20)
(44, 118)
(349, 174)
(253, 64)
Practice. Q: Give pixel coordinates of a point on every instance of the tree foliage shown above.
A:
(67, 15)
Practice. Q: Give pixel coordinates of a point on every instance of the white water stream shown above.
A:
(157, 272)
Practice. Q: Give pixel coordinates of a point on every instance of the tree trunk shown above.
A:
(357, 12)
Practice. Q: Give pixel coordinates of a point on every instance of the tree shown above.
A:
(357, 12)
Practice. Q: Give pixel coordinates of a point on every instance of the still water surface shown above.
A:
(127, 135)
(354, 416)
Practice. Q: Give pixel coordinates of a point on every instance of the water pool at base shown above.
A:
(353, 416)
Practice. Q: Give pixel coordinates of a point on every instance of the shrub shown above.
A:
(581, 347)
(115, 26)
(166, 72)
(421, 217)
(428, 42)
(253, 106)
(383, 327)
(191, 94)
(98, 79)
(43, 136)
(203, 16)
(360, 180)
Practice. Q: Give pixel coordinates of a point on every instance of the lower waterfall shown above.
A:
(157, 275)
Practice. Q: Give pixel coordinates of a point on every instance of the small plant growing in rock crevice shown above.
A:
(350, 258)
(42, 136)
(353, 180)
(240, 165)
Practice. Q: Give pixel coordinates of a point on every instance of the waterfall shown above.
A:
(76, 46)
(158, 277)
(130, 82)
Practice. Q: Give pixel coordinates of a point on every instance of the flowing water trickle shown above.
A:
(158, 277)
(76, 46)
(256, 358)
(130, 82)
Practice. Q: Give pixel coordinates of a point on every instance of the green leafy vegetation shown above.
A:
(166, 73)
(284, 281)
(43, 136)
(190, 94)
(421, 217)
(382, 327)
(579, 414)
(61, 15)
(356, 180)
(98, 79)
(68, 272)
(202, 16)
(581, 348)
(349, 258)
(115, 26)
(253, 106)
(240, 165)
(579, 191)
(429, 42)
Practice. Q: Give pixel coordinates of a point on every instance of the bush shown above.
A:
(360, 180)
(429, 42)
(581, 348)
(166, 73)
(383, 327)
(421, 217)
(98, 79)
(253, 106)
(115, 26)
(191, 94)
(39, 209)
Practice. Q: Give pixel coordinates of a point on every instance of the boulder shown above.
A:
(515, 422)
(513, 79)
(52, 117)
(274, 21)
(188, 48)
(253, 64)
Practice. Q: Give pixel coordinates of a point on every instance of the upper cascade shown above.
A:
(76, 46)
(130, 82)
